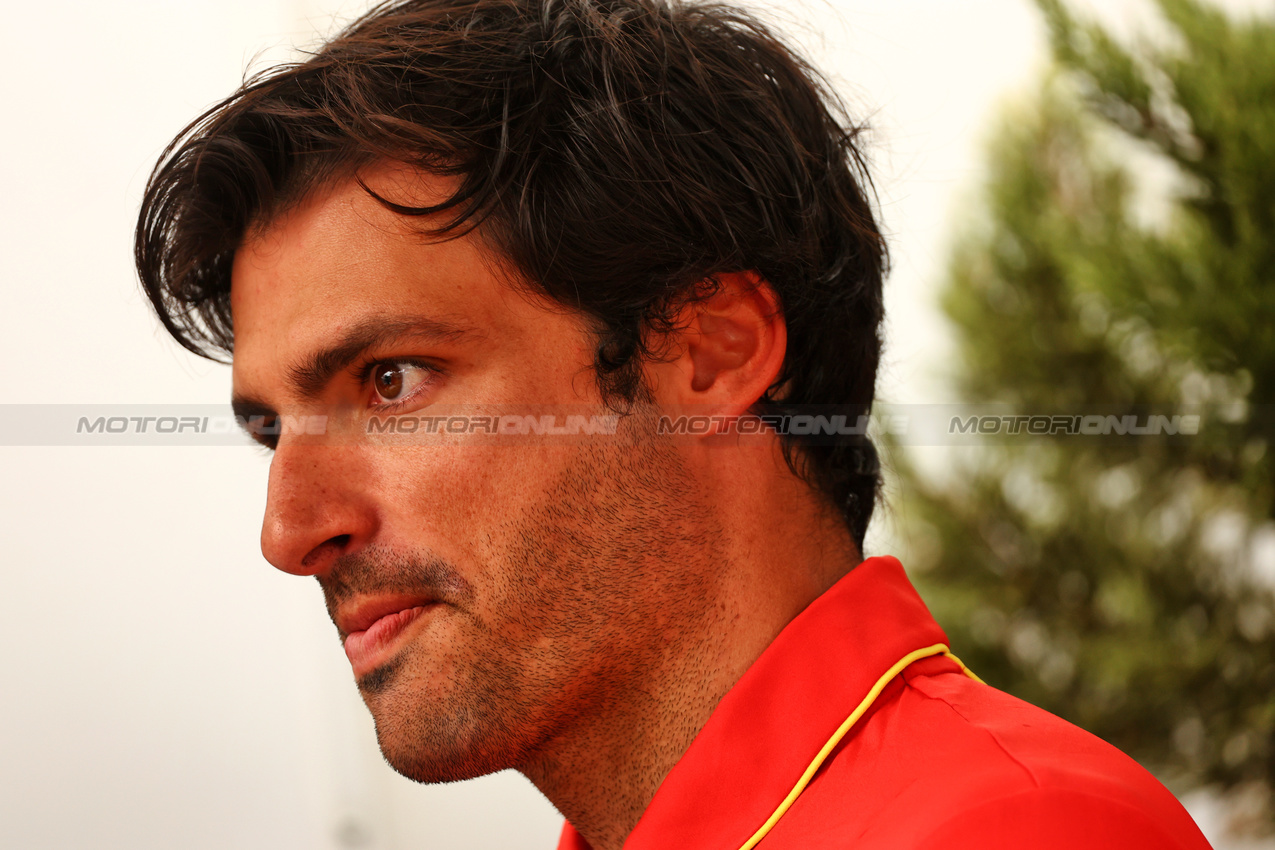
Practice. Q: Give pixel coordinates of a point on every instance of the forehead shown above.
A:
(341, 250)
(341, 259)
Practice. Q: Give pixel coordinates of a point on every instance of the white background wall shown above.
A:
(160, 685)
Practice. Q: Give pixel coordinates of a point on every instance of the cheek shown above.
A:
(463, 501)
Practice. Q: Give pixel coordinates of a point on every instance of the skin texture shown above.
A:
(589, 601)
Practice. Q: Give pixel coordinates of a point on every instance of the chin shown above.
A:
(429, 738)
(430, 761)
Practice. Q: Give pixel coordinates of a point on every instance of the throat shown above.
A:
(603, 773)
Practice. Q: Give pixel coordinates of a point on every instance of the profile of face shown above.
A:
(493, 596)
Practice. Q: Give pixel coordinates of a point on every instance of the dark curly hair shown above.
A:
(618, 154)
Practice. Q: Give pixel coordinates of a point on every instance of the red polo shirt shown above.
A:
(855, 729)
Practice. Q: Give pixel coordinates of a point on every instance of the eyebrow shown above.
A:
(311, 375)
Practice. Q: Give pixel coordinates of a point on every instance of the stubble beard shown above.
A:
(594, 591)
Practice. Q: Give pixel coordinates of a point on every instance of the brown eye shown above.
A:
(398, 380)
(388, 378)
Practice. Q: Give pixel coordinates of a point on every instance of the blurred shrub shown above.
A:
(1122, 257)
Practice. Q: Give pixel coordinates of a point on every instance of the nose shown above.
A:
(319, 506)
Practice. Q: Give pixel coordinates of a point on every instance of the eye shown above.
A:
(396, 380)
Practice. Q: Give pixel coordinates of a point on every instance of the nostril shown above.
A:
(326, 551)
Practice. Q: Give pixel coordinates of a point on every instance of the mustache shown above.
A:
(382, 571)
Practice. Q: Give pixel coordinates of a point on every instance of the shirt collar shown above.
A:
(773, 722)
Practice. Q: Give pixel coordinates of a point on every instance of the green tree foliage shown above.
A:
(1123, 257)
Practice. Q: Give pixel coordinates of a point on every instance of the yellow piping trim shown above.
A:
(967, 671)
(899, 666)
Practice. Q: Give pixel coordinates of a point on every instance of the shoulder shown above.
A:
(1047, 817)
(1024, 777)
(943, 761)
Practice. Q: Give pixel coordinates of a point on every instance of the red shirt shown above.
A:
(801, 754)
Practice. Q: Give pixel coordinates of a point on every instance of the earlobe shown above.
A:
(734, 344)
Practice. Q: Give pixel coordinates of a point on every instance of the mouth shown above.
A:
(373, 632)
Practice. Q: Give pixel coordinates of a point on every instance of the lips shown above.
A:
(372, 631)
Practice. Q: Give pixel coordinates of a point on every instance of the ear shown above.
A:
(727, 349)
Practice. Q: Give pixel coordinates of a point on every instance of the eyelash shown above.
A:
(364, 370)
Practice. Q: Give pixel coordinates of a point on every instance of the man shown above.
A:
(465, 211)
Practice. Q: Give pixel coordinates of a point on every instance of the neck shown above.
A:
(603, 773)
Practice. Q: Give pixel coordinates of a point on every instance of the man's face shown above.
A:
(495, 597)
